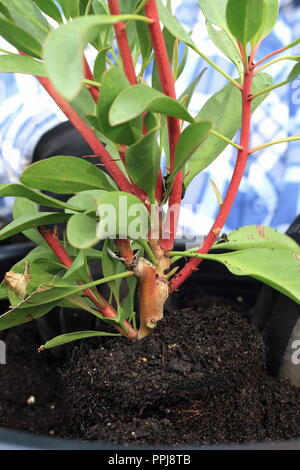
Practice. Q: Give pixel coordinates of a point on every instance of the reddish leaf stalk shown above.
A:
(234, 185)
(269, 56)
(96, 298)
(88, 74)
(89, 136)
(168, 87)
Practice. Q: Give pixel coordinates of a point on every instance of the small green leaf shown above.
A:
(189, 91)
(173, 25)
(190, 140)
(143, 163)
(20, 38)
(224, 109)
(24, 206)
(79, 270)
(114, 82)
(13, 63)
(244, 18)
(137, 99)
(64, 47)
(87, 200)
(111, 265)
(28, 193)
(32, 220)
(294, 73)
(257, 236)
(270, 15)
(81, 231)
(69, 337)
(122, 214)
(100, 64)
(64, 175)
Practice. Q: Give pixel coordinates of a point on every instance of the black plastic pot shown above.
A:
(213, 279)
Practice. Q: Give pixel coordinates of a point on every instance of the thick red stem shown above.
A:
(168, 87)
(96, 298)
(123, 43)
(88, 74)
(234, 185)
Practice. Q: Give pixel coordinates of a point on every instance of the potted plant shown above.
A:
(129, 125)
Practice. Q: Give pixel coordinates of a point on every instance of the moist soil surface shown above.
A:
(200, 378)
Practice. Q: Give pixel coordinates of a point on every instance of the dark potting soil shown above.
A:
(198, 379)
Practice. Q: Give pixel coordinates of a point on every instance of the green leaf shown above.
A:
(32, 220)
(13, 63)
(64, 47)
(114, 82)
(244, 18)
(277, 268)
(137, 99)
(20, 316)
(79, 270)
(294, 73)
(100, 64)
(224, 109)
(227, 44)
(256, 236)
(87, 200)
(189, 91)
(69, 337)
(28, 193)
(270, 15)
(20, 38)
(173, 25)
(143, 163)
(122, 214)
(49, 7)
(3, 291)
(28, 17)
(215, 12)
(81, 231)
(64, 175)
(190, 140)
(144, 40)
(24, 206)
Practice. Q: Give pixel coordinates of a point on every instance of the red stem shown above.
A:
(234, 185)
(168, 87)
(88, 74)
(123, 43)
(96, 298)
(269, 56)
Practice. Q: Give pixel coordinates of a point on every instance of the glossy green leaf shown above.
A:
(277, 268)
(64, 175)
(227, 44)
(137, 99)
(49, 7)
(143, 163)
(21, 207)
(32, 220)
(224, 109)
(35, 196)
(64, 47)
(122, 214)
(20, 38)
(20, 64)
(28, 17)
(81, 231)
(69, 337)
(244, 18)
(270, 15)
(114, 82)
(215, 12)
(100, 64)
(190, 140)
(79, 270)
(256, 236)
